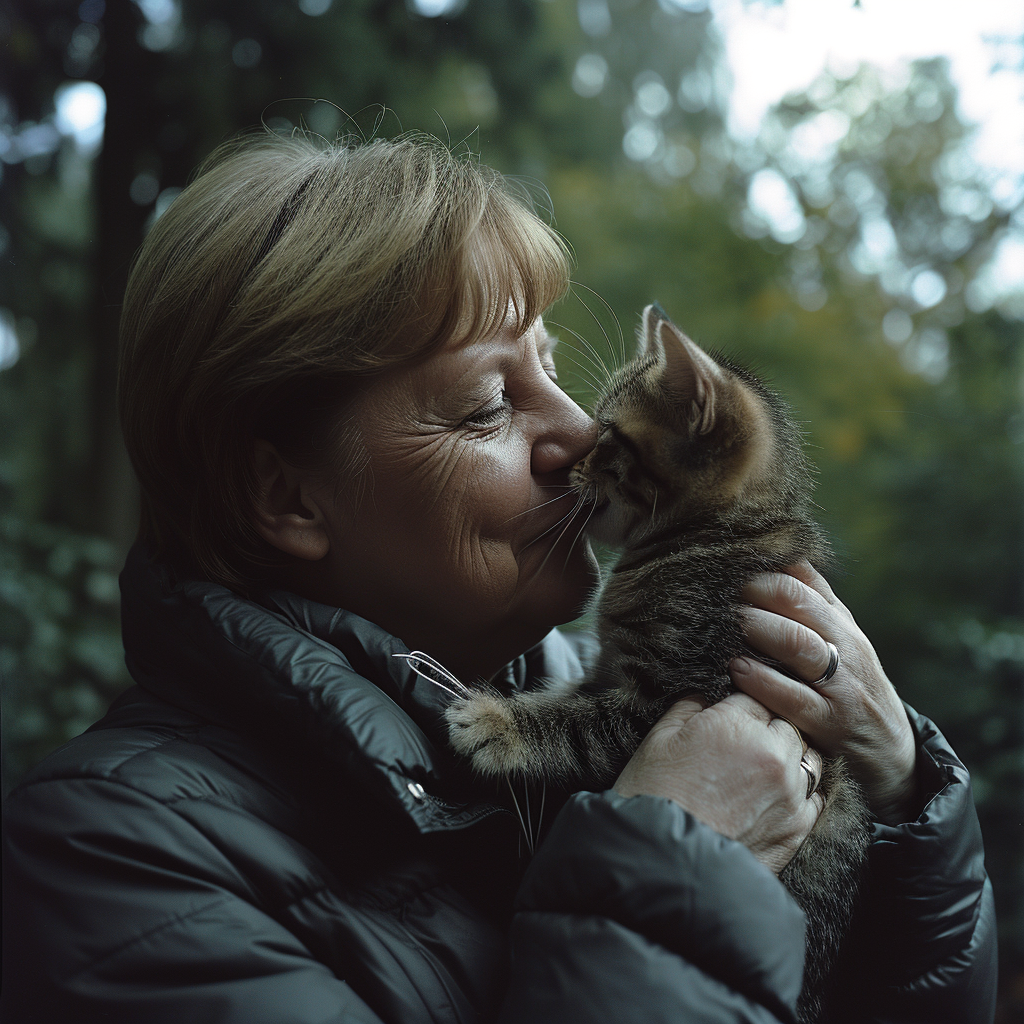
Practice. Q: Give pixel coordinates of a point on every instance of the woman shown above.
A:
(338, 395)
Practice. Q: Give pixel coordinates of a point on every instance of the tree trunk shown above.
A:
(132, 119)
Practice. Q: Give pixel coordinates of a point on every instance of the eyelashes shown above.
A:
(490, 415)
(497, 411)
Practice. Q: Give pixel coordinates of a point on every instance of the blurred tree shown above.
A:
(60, 658)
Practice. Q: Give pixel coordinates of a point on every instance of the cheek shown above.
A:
(500, 488)
(419, 474)
(453, 493)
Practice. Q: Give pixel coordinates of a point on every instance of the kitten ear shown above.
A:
(688, 371)
(649, 337)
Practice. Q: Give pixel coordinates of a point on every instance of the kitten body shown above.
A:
(699, 477)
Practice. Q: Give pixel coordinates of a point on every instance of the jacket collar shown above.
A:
(303, 675)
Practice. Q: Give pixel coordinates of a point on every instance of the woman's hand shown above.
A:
(856, 713)
(735, 767)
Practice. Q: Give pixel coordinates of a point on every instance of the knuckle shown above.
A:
(806, 706)
(773, 767)
(800, 598)
(739, 703)
(789, 587)
(663, 734)
(792, 635)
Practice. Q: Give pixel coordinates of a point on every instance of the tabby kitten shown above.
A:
(699, 477)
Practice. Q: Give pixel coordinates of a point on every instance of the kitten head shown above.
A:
(686, 440)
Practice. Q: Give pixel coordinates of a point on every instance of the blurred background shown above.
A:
(829, 190)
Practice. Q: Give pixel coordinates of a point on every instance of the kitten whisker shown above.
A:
(551, 528)
(586, 371)
(604, 302)
(554, 526)
(579, 505)
(522, 823)
(591, 354)
(592, 371)
(536, 508)
(582, 531)
(529, 820)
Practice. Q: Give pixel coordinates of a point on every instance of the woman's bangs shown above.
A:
(515, 262)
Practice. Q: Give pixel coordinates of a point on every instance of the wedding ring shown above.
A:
(813, 777)
(833, 664)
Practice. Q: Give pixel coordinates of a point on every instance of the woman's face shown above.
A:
(459, 536)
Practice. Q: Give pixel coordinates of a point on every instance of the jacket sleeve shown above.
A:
(100, 864)
(634, 911)
(923, 947)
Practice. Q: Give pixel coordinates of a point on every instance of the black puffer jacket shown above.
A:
(267, 828)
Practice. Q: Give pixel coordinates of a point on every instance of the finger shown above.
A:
(798, 647)
(683, 710)
(747, 705)
(792, 598)
(781, 695)
(806, 573)
(814, 806)
(784, 726)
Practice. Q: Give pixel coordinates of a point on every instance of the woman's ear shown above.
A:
(288, 513)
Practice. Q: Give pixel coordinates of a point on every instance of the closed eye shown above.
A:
(491, 414)
(627, 442)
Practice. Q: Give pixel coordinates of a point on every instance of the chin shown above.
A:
(567, 588)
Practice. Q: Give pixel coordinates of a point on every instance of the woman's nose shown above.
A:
(568, 435)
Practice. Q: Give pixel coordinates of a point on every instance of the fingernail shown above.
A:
(739, 665)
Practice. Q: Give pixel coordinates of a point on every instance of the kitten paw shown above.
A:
(482, 727)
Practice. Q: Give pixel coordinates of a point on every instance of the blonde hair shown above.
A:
(283, 276)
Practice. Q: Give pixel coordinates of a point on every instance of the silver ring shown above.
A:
(833, 664)
(813, 779)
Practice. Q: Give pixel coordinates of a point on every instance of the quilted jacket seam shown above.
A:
(105, 775)
(172, 805)
(149, 933)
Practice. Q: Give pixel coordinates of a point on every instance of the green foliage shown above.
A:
(61, 660)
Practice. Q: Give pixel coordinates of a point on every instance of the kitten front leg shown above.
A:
(483, 728)
(557, 735)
